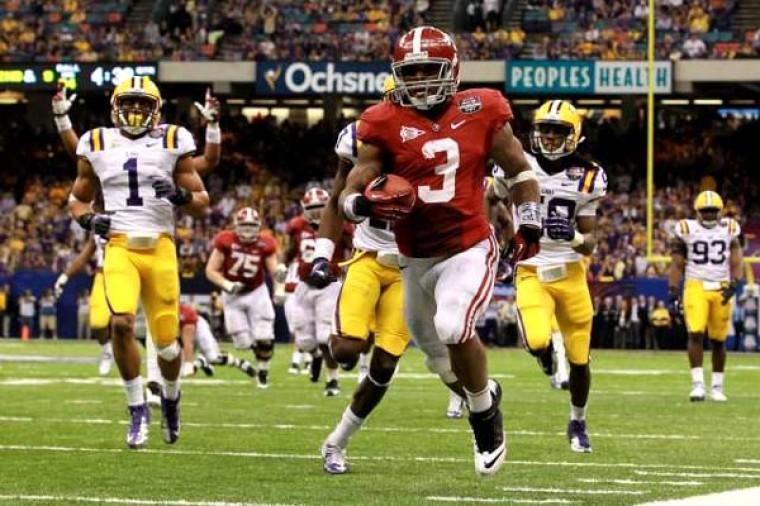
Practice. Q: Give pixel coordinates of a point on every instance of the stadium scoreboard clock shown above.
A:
(76, 76)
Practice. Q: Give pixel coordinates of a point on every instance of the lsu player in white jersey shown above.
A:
(708, 249)
(370, 303)
(553, 283)
(145, 170)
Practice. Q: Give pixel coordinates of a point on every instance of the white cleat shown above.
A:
(697, 393)
(717, 395)
(293, 369)
(104, 367)
(334, 459)
(455, 408)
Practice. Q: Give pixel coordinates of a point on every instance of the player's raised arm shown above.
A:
(187, 191)
(212, 153)
(61, 104)
(369, 165)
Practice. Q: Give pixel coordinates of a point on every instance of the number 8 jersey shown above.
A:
(573, 192)
(127, 168)
(708, 250)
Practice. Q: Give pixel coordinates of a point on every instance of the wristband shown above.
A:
(213, 133)
(529, 214)
(349, 208)
(62, 122)
(577, 240)
(85, 221)
(324, 248)
(62, 279)
(521, 177)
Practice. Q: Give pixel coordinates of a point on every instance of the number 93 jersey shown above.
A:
(127, 168)
(573, 192)
(708, 250)
(244, 262)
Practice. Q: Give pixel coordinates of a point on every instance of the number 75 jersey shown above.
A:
(708, 250)
(127, 168)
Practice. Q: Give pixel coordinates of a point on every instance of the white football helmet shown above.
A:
(247, 224)
(312, 203)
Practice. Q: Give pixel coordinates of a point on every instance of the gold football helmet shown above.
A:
(556, 129)
(136, 105)
(708, 206)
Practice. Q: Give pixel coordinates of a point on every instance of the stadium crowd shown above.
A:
(360, 30)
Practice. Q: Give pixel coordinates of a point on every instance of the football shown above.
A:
(392, 196)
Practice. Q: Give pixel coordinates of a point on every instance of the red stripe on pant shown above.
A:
(486, 286)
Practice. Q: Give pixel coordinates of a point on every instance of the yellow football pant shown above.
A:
(705, 312)
(150, 275)
(568, 299)
(372, 299)
(99, 315)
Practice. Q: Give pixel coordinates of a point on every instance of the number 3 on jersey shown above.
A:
(447, 169)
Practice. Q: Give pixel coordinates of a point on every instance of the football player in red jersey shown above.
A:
(194, 329)
(236, 265)
(440, 139)
(310, 309)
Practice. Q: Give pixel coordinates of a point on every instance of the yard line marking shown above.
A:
(300, 406)
(48, 359)
(747, 461)
(504, 500)
(316, 456)
(552, 490)
(699, 475)
(728, 498)
(438, 430)
(83, 401)
(125, 500)
(638, 372)
(642, 482)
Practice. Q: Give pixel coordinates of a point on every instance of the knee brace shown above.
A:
(442, 367)
(264, 350)
(381, 370)
(166, 328)
(169, 353)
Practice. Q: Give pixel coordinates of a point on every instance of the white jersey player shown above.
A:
(709, 250)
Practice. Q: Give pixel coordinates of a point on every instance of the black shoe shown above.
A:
(488, 432)
(247, 368)
(546, 360)
(316, 369)
(263, 379)
(154, 387)
(205, 366)
(331, 388)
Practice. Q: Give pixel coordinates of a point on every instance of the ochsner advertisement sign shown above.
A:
(300, 78)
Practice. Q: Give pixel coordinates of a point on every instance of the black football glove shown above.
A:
(730, 290)
(98, 224)
(166, 189)
(559, 228)
(320, 275)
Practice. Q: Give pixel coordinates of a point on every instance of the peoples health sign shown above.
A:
(586, 77)
(298, 78)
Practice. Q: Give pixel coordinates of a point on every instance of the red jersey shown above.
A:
(187, 315)
(304, 237)
(244, 262)
(445, 160)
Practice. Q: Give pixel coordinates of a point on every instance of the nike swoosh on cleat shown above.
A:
(489, 464)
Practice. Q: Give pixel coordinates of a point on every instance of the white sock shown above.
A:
(479, 401)
(106, 349)
(364, 360)
(332, 374)
(262, 365)
(296, 357)
(134, 390)
(171, 389)
(577, 413)
(349, 423)
(717, 379)
(151, 361)
(697, 375)
(559, 350)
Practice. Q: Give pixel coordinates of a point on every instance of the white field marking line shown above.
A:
(125, 500)
(83, 401)
(381, 458)
(638, 372)
(48, 359)
(438, 430)
(699, 475)
(500, 500)
(300, 406)
(574, 491)
(747, 461)
(728, 498)
(745, 367)
(641, 482)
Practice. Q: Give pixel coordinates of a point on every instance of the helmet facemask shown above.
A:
(423, 82)
(553, 139)
(135, 114)
(708, 216)
(313, 213)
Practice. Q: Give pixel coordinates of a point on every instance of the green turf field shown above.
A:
(62, 437)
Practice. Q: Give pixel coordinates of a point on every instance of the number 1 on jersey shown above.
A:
(134, 198)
